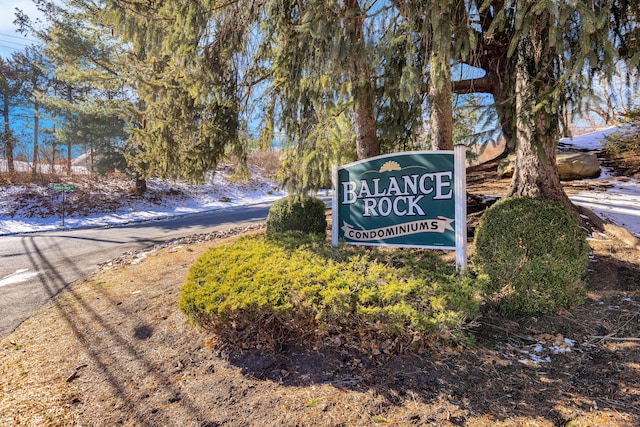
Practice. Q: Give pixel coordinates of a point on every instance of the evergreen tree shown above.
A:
(474, 124)
(34, 70)
(353, 16)
(399, 64)
(551, 45)
(440, 89)
(624, 18)
(169, 70)
(84, 77)
(316, 56)
(91, 101)
(183, 57)
(189, 68)
(534, 54)
(9, 88)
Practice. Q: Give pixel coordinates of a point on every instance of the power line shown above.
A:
(12, 42)
(9, 47)
(12, 45)
(13, 36)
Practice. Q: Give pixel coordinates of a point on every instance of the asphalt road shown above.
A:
(36, 267)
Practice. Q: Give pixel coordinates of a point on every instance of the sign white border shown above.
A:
(460, 200)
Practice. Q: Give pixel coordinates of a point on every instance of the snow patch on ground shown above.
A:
(164, 199)
(619, 200)
(591, 141)
(619, 204)
(19, 276)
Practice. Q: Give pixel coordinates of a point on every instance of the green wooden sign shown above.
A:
(405, 199)
(63, 187)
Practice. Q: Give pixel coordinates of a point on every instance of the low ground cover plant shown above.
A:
(623, 147)
(270, 291)
(535, 254)
(620, 144)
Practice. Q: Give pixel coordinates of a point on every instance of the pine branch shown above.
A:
(612, 338)
(469, 86)
(480, 85)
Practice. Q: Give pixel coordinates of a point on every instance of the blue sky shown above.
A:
(10, 40)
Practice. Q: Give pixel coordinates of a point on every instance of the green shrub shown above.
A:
(534, 253)
(259, 292)
(297, 213)
(622, 142)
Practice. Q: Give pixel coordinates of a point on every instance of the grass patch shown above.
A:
(296, 288)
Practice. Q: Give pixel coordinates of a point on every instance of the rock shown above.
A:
(577, 165)
(571, 166)
(622, 234)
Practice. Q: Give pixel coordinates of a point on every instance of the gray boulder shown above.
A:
(577, 165)
(571, 166)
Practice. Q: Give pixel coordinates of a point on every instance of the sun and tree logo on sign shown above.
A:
(403, 199)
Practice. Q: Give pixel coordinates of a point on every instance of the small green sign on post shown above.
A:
(413, 199)
(64, 188)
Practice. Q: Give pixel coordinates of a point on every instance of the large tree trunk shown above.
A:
(8, 137)
(70, 99)
(367, 144)
(536, 172)
(69, 157)
(441, 117)
(36, 128)
(141, 186)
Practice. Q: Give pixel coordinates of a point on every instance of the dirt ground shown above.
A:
(115, 350)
